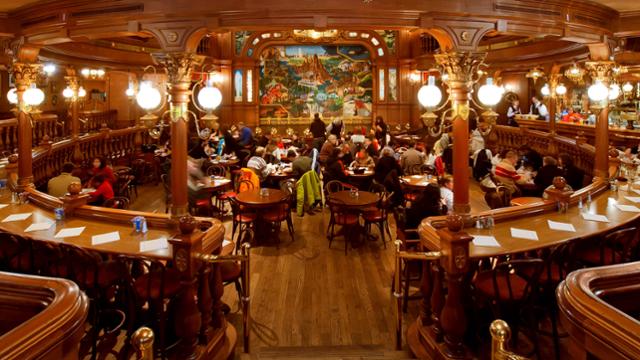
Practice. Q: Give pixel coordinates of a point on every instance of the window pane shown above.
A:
(237, 85)
(381, 84)
(249, 85)
(393, 84)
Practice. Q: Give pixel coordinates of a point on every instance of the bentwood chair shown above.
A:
(117, 202)
(152, 287)
(616, 247)
(216, 170)
(511, 289)
(411, 269)
(242, 220)
(378, 214)
(281, 212)
(341, 215)
(15, 253)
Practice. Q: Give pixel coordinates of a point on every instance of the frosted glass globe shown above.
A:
(12, 96)
(67, 93)
(82, 92)
(429, 95)
(130, 92)
(489, 94)
(627, 87)
(209, 97)
(148, 97)
(614, 91)
(561, 89)
(598, 92)
(33, 96)
(545, 91)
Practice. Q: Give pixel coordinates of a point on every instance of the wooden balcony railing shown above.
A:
(599, 308)
(42, 318)
(92, 120)
(43, 125)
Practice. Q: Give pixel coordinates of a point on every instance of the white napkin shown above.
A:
(594, 217)
(17, 217)
(45, 225)
(105, 238)
(226, 242)
(2, 206)
(152, 245)
(488, 241)
(524, 234)
(634, 199)
(560, 226)
(628, 208)
(70, 232)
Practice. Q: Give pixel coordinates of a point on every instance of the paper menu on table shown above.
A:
(628, 208)
(634, 199)
(483, 240)
(105, 238)
(152, 245)
(226, 242)
(45, 225)
(594, 217)
(17, 217)
(2, 206)
(524, 234)
(69, 232)
(560, 226)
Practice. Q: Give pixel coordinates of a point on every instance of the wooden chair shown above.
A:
(337, 185)
(279, 213)
(378, 214)
(117, 202)
(216, 170)
(343, 216)
(242, 220)
(411, 269)
(15, 253)
(614, 248)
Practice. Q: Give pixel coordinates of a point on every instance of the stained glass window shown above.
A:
(237, 85)
(393, 84)
(381, 84)
(249, 85)
(240, 38)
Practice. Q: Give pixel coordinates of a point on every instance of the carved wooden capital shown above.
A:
(600, 70)
(25, 74)
(462, 67)
(178, 67)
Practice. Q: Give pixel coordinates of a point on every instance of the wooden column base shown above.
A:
(25, 183)
(423, 344)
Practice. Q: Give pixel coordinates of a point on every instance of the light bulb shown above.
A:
(429, 95)
(414, 77)
(445, 77)
(209, 97)
(130, 92)
(49, 69)
(614, 91)
(85, 72)
(12, 96)
(627, 87)
(82, 92)
(67, 93)
(33, 96)
(561, 89)
(100, 72)
(545, 91)
(148, 97)
(597, 91)
(489, 94)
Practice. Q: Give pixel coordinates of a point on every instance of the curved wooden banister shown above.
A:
(598, 307)
(56, 310)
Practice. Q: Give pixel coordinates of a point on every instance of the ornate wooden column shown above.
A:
(178, 67)
(601, 71)
(24, 75)
(461, 67)
(72, 82)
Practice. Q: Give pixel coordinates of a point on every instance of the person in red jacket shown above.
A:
(100, 167)
(103, 192)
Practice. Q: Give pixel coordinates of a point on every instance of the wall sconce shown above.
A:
(614, 92)
(545, 91)
(93, 73)
(33, 96)
(597, 91)
(415, 77)
(49, 69)
(131, 90)
(561, 89)
(71, 95)
(627, 87)
(489, 95)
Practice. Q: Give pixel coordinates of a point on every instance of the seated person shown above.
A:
(334, 168)
(385, 165)
(572, 117)
(103, 192)
(279, 152)
(481, 164)
(573, 175)
(327, 148)
(428, 203)
(299, 164)
(259, 166)
(58, 185)
(347, 158)
(410, 158)
(547, 172)
(250, 175)
(100, 167)
(363, 160)
(506, 173)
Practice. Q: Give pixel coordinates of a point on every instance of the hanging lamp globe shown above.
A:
(12, 96)
(489, 94)
(597, 91)
(33, 96)
(429, 95)
(148, 97)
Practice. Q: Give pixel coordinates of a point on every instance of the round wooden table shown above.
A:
(252, 198)
(525, 200)
(225, 162)
(364, 198)
(365, 175)
(418, 182)
(215, 183)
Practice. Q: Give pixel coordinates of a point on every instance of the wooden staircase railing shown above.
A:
(46, 317)
(599, 308)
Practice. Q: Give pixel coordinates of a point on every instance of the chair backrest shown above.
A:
(428, 170)
(528, 270)
(216, 170)
(15, 253)
(334, 186)
(623, 244)
(117, 202)
(415, 169)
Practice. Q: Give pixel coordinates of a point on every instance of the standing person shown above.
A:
(538, 108)
(381, 130)
(513, 109)
(327, 148)
(317, 129)
(336, 128)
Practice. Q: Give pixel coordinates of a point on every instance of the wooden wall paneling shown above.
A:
(117, 84)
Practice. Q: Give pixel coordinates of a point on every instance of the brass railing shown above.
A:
(142, 341)
(245, 262)
(500, 335)
(397, 291)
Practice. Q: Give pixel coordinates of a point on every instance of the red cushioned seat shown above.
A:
(374, 215)
(229, 271)
(171, 284)
(484, 284)
(274, 215)
(245, 217)
(202, 202)
(227, 195)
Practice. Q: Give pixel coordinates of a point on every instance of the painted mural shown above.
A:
(298, 81)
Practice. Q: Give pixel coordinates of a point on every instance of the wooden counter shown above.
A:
(622, 137)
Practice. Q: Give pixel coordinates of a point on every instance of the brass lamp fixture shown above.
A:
(575, 73)
(535, 74)
(208, 99)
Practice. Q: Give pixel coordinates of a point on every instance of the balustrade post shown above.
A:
(178, 67)
(461, 68)
(24, 75)
(601, 71)
(455, 262)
